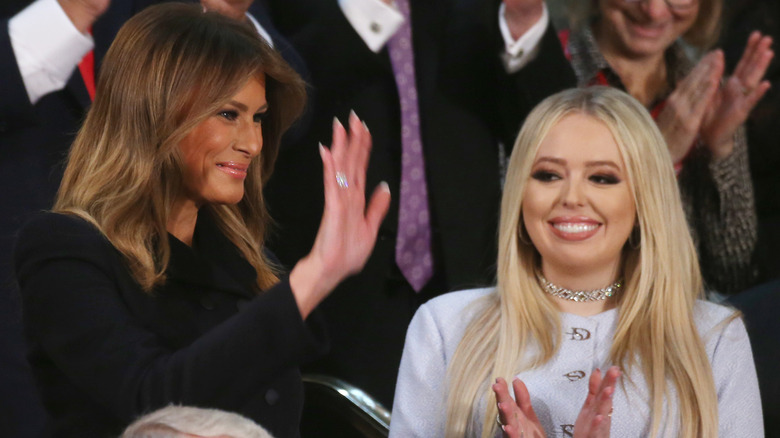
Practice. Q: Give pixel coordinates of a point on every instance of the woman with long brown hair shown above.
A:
(149, 283)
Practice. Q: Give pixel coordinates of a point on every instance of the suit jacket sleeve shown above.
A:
(75, 312)
(16, 111)
(419, 408)
(736, 384)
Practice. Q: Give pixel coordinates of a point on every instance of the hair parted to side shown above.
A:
(176, 421)
(518, 327)
(702, 35)
(169, 68)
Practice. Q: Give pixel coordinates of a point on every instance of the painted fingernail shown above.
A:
(384, 186)
(322, 148)
(352, 114)
(365, 127)
(336, 123)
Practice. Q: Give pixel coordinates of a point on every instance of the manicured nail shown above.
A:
(336, 123)
(366, 127)
(384, 186)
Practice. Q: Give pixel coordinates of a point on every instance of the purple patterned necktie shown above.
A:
(413, 243)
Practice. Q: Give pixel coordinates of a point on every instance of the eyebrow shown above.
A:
(562, 162)
(244, 108)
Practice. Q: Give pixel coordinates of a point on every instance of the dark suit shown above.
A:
(760, 306)
(105, 352)
(462, 91)
(34, 140)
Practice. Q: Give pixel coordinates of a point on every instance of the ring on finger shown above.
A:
(610, 412)
(341, 180)
(498, 420)
(745, 91)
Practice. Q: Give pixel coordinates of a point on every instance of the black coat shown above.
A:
(470, 112)
(34, 140)
(104, 351)
(760, 307)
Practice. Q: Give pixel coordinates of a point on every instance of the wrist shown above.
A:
(310, 283)
(721, 150)
(81, 15)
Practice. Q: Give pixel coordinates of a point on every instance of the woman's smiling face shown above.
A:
(643, 28)
(216, 153)
(578, 207)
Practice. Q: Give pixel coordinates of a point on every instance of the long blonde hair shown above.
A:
(170, 67)
(655, 329)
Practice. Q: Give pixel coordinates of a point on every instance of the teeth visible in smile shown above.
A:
(575, 228)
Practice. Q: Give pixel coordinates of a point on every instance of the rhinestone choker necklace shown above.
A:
(579, 295)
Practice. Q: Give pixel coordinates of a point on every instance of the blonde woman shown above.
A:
(149, 284)
(596, 271)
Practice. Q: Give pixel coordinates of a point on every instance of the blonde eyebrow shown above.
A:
(562, 162)
(607, 163)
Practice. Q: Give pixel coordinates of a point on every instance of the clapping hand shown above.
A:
(348, 229)
(732, 103)
(681, 118)
(519, 420)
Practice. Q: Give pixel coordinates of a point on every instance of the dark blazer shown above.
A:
(104, 351)
(462, 91)
(34, 140)
(760, 307)
(33, 143)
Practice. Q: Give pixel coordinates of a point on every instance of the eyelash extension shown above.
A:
(605, 179)
(229, 114)
(545, 176)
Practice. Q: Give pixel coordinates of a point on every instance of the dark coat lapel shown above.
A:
(213, 262)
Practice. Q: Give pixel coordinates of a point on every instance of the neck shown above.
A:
(582, 280)
(644, 77)
(181, 221)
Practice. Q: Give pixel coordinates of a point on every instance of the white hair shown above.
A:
(173, 421)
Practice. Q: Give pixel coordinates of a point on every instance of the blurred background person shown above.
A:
(149, 284)
(741, 18)
(431, 79)
(192, 422)
(639, 46)
(596, 269)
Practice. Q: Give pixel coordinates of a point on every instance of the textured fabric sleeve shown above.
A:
(420, 393)
(718, 201)
(739, 402)
(74, 311)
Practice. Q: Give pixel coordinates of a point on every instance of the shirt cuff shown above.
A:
(375, 21)
(519, 53)
(259, 28)
(47, 46)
